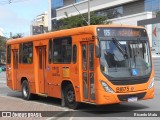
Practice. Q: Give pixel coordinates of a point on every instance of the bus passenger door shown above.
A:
(88, 71)
(41, 68)
(15, 68)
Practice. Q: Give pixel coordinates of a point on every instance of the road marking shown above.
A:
(61, 114)
(71, 118)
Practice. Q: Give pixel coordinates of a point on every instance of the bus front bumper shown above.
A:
(113, 98)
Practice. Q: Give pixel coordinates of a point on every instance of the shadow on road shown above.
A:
(105, 110)
(87, 108)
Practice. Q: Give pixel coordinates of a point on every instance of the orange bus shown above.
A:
(97, 64)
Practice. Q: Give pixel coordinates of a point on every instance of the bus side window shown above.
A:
(26, 56)
(50, 52)
(74, 54)
(84, 56)
(91, 56)
(62, 50)
(20, 53)
(9, 54)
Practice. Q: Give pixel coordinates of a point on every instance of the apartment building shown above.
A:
(40, 24)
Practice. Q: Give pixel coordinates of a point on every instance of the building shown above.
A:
(40, 24)
(117, 11)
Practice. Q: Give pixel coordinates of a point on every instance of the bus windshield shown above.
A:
(124, 54)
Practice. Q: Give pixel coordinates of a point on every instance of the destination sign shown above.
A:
(121, 32)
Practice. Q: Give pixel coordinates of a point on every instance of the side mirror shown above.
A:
(98, 53)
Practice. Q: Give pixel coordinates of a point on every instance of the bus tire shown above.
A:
(70, 98)
(26, 90)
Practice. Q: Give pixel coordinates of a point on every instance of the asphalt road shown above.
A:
(50, 104)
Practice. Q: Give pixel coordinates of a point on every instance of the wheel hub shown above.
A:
(70, 96)
(25, 91)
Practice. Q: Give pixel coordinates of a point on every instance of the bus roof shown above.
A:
(67, 32)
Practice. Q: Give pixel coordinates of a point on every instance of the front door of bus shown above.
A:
(41, 68)
(15, 67)
(87, 50)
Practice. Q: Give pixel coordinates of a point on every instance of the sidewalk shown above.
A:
(20, 106)
(12, 102)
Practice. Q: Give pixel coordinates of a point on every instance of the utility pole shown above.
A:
(89, 16)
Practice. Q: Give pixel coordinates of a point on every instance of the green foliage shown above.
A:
(3, 41)
(158, 14)
(18, 35)
(2, 44)
(78, 21)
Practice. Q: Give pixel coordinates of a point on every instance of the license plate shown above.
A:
(122, 89)
(132, 99)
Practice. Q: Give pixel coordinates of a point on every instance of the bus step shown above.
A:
(43, 95)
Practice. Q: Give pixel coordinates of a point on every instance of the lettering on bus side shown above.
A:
(87, 39)
(56, 71)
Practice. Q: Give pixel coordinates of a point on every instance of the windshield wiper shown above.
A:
(119, 46)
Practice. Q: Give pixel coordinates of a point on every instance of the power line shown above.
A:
(11, 1)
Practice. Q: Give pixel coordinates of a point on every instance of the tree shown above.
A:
(2, 44)
(2, 49)
(158, 14)
(18, 35)
(78, 21)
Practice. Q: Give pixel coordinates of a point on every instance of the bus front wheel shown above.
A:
(70, 98)
(26, 90)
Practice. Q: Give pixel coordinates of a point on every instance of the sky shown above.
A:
(17, 17)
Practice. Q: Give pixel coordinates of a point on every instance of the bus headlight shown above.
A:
(106, 87)
(151, 84)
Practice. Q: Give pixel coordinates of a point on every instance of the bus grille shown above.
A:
(125, 97)
(130, 81)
